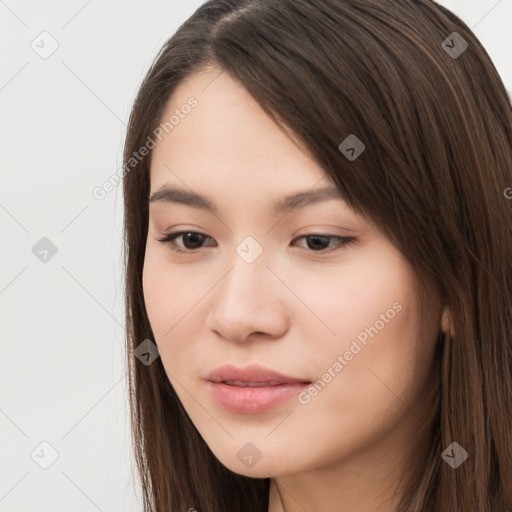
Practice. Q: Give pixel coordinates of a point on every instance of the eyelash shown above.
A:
(343, 241)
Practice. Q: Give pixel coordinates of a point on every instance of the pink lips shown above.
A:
(253, 389)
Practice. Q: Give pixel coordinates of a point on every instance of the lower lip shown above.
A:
(254, 399)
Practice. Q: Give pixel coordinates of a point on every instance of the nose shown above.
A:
(249, 302)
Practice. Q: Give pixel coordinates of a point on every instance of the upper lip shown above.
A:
(252, 373)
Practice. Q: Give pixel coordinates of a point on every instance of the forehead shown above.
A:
(226, 136)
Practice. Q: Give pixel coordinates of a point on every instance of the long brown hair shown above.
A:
(436, 121)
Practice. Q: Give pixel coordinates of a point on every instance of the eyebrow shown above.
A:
(293, 202)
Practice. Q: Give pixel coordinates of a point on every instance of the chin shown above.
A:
(251, 462)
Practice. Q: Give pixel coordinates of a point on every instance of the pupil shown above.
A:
(197, 236)
(316, 238)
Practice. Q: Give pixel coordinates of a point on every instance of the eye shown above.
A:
(321, 243)
(192, 241)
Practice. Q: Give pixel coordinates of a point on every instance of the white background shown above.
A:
(63, 120)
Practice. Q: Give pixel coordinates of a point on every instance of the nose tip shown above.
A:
(246, 302)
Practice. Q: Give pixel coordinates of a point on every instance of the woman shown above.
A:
(318, 237)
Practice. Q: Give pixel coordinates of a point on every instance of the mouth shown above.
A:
(253, 375)
(252, 384)
(252, 390)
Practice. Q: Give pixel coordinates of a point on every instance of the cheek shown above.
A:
(380, 366)
(173, 299)
(156, 295)
(362, 299)
(370, 341)
(168, 291)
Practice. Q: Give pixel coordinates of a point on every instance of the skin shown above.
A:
(294, 309)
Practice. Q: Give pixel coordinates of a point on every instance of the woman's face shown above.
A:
(253, 285)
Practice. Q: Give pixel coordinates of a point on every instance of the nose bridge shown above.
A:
(245, 301)
(248, 273)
